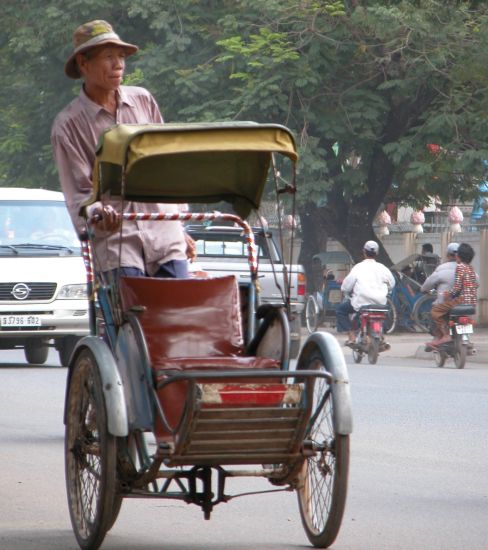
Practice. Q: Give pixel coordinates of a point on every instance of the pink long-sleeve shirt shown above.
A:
(74, 136)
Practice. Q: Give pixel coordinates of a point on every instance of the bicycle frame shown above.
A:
(404, 295)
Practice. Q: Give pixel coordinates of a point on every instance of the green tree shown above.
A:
(365, 85)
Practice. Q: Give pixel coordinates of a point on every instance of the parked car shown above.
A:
(221, 250)
(43, 292)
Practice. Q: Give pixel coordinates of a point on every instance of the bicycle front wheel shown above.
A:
(391, 317)
(421, 312)
(312, 314)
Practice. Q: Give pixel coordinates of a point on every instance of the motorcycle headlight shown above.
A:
(73, 292)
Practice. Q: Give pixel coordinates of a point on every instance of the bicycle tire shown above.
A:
(312, 314)
(391, 318)
(421, 312)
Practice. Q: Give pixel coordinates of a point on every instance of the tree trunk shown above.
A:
(314, 240)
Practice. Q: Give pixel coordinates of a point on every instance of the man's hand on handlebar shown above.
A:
(109, 219)
(191, 248)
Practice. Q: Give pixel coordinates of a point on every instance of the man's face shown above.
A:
(103, 67)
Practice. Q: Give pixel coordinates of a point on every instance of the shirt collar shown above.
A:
(124, 98)
(95, 108)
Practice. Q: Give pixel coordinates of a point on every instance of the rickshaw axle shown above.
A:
(205, 498)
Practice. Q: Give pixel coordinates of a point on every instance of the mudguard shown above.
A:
(113, 390)
(336, 365)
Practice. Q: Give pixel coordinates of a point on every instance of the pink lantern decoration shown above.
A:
(455, 218)
(383, 221)
(417, 219)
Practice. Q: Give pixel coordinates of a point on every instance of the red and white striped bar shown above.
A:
(87, 259)
(200, 217)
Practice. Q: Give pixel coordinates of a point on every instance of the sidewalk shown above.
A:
(411, 344)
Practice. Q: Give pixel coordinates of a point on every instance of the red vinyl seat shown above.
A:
(189, 324)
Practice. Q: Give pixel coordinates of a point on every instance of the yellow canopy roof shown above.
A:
(178, 163)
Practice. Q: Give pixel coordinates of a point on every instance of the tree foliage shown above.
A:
(365, 86)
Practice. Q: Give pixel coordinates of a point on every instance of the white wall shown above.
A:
(400, 245)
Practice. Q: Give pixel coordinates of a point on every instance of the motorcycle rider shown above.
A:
(368, 282)
(442, 279)
(463, 291)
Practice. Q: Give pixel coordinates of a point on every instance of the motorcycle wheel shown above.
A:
(373, 349)
(460, 352)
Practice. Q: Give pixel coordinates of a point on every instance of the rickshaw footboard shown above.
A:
(229, 419)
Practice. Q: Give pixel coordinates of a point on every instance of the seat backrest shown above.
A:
(186, 317)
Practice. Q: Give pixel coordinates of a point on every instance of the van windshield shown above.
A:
(43, 223)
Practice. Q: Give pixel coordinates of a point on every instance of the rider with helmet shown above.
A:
(368, 282)
(463, 291)
(442, 279)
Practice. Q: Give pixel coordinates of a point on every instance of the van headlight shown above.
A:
(73, 292)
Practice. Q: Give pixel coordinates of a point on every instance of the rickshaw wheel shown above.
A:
(90, 456)
(322, 483)
(312, 314)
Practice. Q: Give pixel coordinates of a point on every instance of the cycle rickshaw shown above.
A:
(185, 383)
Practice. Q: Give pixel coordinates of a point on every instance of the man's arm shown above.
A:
(458, 281)
(431, 282)
(349, 282)
(74, 177)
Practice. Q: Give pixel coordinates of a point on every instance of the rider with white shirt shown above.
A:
(368, 282)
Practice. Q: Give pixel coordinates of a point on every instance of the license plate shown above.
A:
(464, 329)
(20, 321)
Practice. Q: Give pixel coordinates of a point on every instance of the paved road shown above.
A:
(419, 474)
(411, 345)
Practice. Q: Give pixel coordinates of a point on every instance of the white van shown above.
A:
(43, 292)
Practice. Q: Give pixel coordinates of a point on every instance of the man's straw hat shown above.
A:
(91, 35)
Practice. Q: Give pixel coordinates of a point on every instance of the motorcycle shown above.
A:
(460, 345)
(370, 335)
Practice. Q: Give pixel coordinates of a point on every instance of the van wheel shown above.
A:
(295, 342)
(65, 349)
(36, 352)
(294, 348)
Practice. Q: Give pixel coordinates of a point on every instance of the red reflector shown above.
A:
(245, 395)
(376, 326)
(302, 284)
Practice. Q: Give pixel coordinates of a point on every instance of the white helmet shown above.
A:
(452, 248)
(371, 247)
